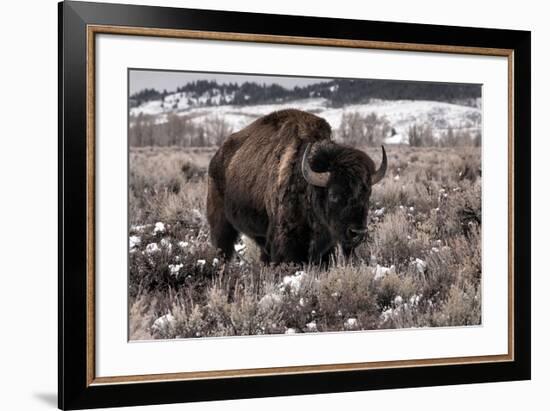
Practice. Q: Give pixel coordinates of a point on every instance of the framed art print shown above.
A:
(260, 205)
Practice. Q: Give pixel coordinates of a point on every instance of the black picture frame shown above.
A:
(75, 391)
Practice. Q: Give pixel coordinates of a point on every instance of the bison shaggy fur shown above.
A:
(283, 182)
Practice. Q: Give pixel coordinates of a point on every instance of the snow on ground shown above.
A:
(400, 113)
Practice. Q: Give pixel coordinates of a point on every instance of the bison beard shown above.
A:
(285, 184)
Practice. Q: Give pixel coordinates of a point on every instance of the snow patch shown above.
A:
(420, 265)
(380, 272)
(159, 228)
(351, 324)
(152, 248)
(293, 282)
(312, 326)
(134, 242)
(175, 269)
(164, 322)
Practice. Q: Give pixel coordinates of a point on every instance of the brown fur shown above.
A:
(256, 187)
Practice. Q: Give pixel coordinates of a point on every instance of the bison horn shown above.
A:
(313, 177)
(379, 174)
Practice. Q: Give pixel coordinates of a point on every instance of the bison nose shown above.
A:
(357, 233)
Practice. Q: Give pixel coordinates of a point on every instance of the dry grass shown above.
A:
(420, 268)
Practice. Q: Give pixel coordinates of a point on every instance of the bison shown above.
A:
(285, 184)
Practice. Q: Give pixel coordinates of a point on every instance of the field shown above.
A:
(421, 266)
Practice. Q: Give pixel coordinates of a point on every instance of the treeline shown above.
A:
(370, 129)
(177, 131)
(147, 94)
(338, 92)
(422, 135)
(343, 92)
(248, 93)
(355, 129)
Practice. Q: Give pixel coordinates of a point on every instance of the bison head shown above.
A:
(343, 177)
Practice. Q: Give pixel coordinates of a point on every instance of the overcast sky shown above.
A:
(170, 80)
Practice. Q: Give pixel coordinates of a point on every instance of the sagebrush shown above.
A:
(421, 265)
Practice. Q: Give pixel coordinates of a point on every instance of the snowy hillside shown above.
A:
(401, 114)
(182, 100)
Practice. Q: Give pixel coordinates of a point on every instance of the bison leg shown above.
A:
(264, 253)
(348, 251)
(222, 234)
(321, 250)
(224, 237)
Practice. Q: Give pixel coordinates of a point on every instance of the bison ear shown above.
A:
(318, 179)
(381, 172)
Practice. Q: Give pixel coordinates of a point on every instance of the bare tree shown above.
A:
(217, 129)
(357, 129)
(421, 135)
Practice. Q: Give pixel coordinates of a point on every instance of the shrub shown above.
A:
(393, 239)
(426, 223)
(347, 292)
(462, 307)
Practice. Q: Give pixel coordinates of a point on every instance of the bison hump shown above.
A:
(298, 124)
